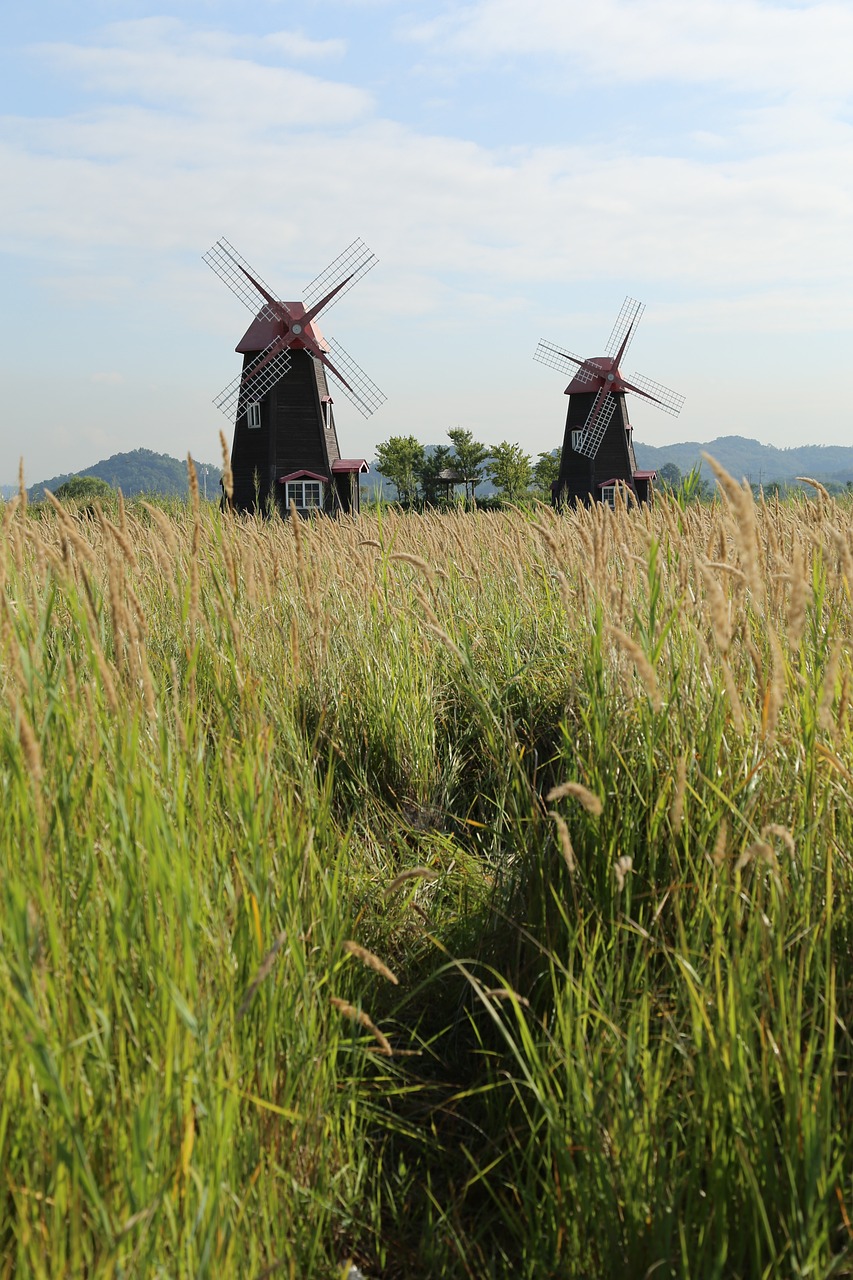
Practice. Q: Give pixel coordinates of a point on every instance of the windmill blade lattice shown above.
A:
(555, 358)
(627, 319)
(355, 262)
(596, 425)
(669, 401)
(224, 259)
(246, 388)
(362, 391)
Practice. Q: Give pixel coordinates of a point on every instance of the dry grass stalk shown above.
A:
(781, 833)
(745, 528)
(22, 488)
(417, 562)
(735, 703)
(721, 622)
(588, 799)
(759, 850)
(412, 873)
(227, 473)
(720, 844)
(445, 639)
(800, 592)
(359, 1016)
(565, 840)
(643, 666)
(506, 993)
(827, 698)
(370, 960)
(192, 476)
(676, 812)
(29, 745)
(775, 692)
(622, 868)
(263, 972)
(816, 485)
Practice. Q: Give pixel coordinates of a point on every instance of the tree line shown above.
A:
(432, 477)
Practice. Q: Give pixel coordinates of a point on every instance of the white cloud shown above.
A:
(751, 45)
(296, 45)
(162, 63)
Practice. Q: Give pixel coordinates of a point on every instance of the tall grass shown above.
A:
(579, 783)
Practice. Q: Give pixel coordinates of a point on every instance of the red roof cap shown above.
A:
(350, 464)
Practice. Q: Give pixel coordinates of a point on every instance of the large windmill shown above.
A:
(285, 443)
(598, 451)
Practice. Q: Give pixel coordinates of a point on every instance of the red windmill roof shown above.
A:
(262, 331)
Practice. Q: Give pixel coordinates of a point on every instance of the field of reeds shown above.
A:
(452, 896)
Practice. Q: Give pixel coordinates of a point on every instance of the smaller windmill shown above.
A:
(598, 449)
(285, 441)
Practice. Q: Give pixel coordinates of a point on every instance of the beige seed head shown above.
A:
(227, 473)
(412, 873)
(588, 799)
(565, 840)
(644, 668)
(370, 960)
(676, 813)
(359, 1016)
(621, 869)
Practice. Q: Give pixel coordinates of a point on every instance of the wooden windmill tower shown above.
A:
(598, 449)
(285, 443)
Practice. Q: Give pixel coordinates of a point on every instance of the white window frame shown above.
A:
(608, 495)
(577, 436)
(253, 415)
(307, 494)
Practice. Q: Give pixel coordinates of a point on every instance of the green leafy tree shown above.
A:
(432, 488)
(510, 470)
(468, 457)
(400, 459)
(546, 471)
(670, 475)
(83, 487)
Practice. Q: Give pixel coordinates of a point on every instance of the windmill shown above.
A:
(285, 442)
(598, 449)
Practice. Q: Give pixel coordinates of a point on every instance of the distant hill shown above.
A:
(758, 463)
(140, 471)
(742, 457)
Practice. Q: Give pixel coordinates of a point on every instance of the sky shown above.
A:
(517, 166)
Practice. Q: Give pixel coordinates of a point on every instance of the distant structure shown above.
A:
(598, 449)
(285, 446)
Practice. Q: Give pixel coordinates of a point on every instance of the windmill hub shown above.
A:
(296, 328)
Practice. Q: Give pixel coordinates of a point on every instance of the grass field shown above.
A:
(463, 896)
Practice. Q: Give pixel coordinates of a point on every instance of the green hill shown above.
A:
(140, 471)
(758, 463)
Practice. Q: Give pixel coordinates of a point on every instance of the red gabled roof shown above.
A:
(350, 464)
(616, 480)
(303, 475)
(645, 475)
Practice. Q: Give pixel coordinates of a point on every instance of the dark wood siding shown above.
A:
(580, 476)
(250, 458)
(293, 436)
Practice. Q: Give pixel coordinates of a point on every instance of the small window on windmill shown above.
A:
(577, 437)
(307, 494)
(608, 495)
(253, 415)
(326, 404)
